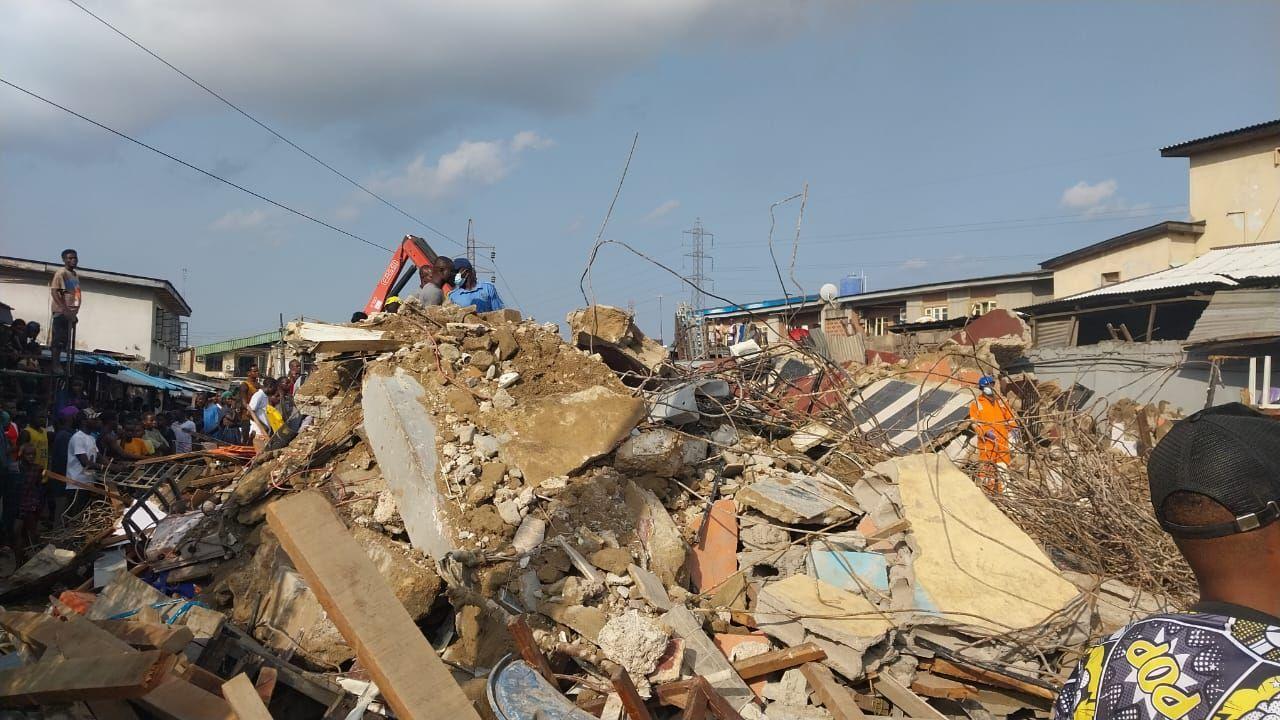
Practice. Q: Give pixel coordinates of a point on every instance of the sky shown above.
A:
(928, 140)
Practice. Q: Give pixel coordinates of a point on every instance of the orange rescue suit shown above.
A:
(992, 422)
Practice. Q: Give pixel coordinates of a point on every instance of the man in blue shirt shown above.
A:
(483, 295)
(212, 415)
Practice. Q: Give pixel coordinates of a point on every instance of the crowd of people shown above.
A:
(50, 454)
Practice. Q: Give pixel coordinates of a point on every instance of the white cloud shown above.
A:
(240, 220)
(432, 65)
(1083, 196)
(474, 163)
(662, 210)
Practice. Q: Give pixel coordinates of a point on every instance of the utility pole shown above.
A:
(660, 322)
(699, 261)
(473, 247)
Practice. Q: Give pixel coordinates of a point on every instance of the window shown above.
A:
(244, 362)
(213, 363)
(938, 312)
(166, 330)
(1110, 278)
(982, 307)
(877, 326)
(902, 315)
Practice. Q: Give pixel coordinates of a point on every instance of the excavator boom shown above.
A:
(414, 252)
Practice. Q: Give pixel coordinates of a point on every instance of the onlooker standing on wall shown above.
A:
(65, 297)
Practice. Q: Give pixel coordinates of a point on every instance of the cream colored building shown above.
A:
(1124, 257)
(1234, 190)
(126, 314)
(1234, 183)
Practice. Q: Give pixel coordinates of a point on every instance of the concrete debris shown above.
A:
(762, 523)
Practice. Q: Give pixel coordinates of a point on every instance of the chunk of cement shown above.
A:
(555, 435)
(650, 588)
(530, 534)
(796, 499)
(402, 435)
(658, 532)
(635, 642)
(659, 452)
(677, 406)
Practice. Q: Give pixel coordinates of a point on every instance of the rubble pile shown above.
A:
(583, 530)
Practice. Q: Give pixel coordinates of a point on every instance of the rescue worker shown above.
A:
(992, 422)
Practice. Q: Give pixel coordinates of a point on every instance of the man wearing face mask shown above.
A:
(992, 423)
(466, 291)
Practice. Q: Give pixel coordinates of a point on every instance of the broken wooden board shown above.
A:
(149, 636)
(774, 660)
(61, 638)
(984, 676)
(113, 677)
(412, 678)
(178, 699)
(974, 564)
(928, 685)
(836, 698)
(908, 702)
(402, 436)
(243, 698)
(703, 658)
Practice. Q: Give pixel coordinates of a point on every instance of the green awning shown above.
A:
(266, 338)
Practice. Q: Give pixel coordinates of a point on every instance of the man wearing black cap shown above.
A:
(467, 291)
(1215, 486)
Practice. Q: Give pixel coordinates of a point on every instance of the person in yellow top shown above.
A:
(36, 434)
(992, 422)
(132, 442)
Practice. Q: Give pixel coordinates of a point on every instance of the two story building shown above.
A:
(141, 317)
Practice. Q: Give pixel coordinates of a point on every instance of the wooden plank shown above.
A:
(111, 710)
(754, 667)
(834, 697)
(72, 637)
(716, 702)
(112, 677)
(675, 693)
(888, 531)
(244, 699)
(266, 684)
(177, 699)
(529, 651)
(697, 707)
(908, 702)
(148, 636)
(412, 678)
(970, 673)
(929, 685)
(631, 700)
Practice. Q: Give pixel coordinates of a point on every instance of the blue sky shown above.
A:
(938, 140)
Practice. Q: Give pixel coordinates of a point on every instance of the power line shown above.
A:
(263, 125)
(200, 170)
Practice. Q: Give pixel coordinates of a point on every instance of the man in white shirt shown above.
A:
(259, 431)
(183, 428)
(82, 459)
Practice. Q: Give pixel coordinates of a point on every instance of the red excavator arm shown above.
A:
(413, 251)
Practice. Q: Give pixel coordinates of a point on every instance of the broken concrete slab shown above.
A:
(558, 434)
(610, 332)
(402, 435)
(798, 499)
(973, 563)
(327, 338)
(676, 406)
(844, 617)
(586, 621)
(658, 452)
(702, 657)
(635, 642)
(658, 532)
(650, 588)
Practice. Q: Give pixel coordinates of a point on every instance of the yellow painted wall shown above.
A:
(1234, 190)
(1141, 258)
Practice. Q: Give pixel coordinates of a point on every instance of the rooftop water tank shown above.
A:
(851, 285)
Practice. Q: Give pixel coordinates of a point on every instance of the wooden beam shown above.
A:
(834, 697)
(412, 678)
(244, 699)
(529, 651)
(696, 709)
(774, 660)
(112, 677)
(717, 703)
(908, 702)
(266, 684)
(930, 685)
(632, 703)
(970, 673)
(177, 699)
(149, 636)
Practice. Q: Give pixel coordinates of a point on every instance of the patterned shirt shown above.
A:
(1183, 666)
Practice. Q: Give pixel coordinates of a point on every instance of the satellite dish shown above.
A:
(828, 292)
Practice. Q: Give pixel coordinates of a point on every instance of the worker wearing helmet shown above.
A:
(992, 422)
(392, 305)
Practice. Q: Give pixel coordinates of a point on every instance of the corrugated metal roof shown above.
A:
(1209, 142)
(244, 342)
(1238, 315)
(1224, 267)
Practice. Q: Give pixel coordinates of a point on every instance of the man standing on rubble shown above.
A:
(467, 291)
(435, 281)
(992, 422)
(1215, 487)
(64, 291)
